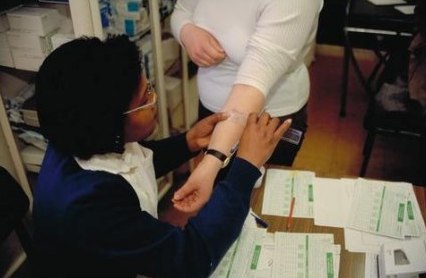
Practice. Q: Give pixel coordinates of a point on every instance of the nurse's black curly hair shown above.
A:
(82, 89)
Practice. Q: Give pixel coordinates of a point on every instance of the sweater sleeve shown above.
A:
(282, 30)
(117, 235)
(169, 153)
(182, 14)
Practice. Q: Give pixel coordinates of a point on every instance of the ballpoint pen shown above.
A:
(259, 220)
(290, 215)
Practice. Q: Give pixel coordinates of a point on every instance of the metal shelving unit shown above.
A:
(86, 18)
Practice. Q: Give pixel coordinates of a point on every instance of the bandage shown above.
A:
(237, 117)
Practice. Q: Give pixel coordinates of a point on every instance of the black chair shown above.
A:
(410, 123)
(380, 29)
(14, 205)
(380, 120)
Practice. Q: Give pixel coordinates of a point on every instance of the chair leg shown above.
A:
(368, 147)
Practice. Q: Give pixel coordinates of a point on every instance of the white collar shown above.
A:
(115, 163)
(135, 165)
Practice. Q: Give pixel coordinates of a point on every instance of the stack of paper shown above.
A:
(371, 212)
(281, 186)
(305, 255)
(249, 255)
(257, 253)
(393, 211)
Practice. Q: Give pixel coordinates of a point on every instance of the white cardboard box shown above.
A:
(32, 155)
(171, 51)
(26, 60)
(59, 38)
(3, 40)
(173, 91)
(40, 21)
(402, 259)
(29, 41)
(6, 57)
(4, 23)
(177, 117)
(32, 158)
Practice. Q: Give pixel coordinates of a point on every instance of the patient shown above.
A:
(95, 204)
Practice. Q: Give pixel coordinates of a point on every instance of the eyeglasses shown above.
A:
(151, 101)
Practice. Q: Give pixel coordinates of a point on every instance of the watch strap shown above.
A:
(219, 155)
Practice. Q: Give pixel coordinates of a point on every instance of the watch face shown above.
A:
(226, 162)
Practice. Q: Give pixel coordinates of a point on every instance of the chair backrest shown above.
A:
(14, 205)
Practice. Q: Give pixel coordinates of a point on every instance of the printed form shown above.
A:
(281, 186)
(238, 258)
(378, 209)
(245, 246)
(414, 226)
(262, 258)
(305, 255)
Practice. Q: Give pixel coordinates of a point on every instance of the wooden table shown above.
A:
(351, 264)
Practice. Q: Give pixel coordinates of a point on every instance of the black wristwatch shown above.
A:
(219, 155)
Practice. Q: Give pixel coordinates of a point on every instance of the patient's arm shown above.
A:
(243, 100)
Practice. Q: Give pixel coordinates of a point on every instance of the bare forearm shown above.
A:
(242, 101)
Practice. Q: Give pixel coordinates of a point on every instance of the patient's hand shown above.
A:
(202, 47)
(197, 190)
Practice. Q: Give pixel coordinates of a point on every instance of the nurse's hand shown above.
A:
(260, 137)
(202, 47)
(198, 137)
(198, 188)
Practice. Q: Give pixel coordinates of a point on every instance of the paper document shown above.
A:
(262, 257)
(333, 198)
(406, 9)
(237, 260)
(371, 266)
(414, 227)
(387, 2)
(281, 186)
(378, 209)
(222, 270)
(245, 246)
(305, 255)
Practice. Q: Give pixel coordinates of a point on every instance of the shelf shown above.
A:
(8, 142)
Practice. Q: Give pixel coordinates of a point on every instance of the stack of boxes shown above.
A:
(29, 35)
(25, 41)
(175, 106)
(129, 17)
(173, 85)
(5, 53)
